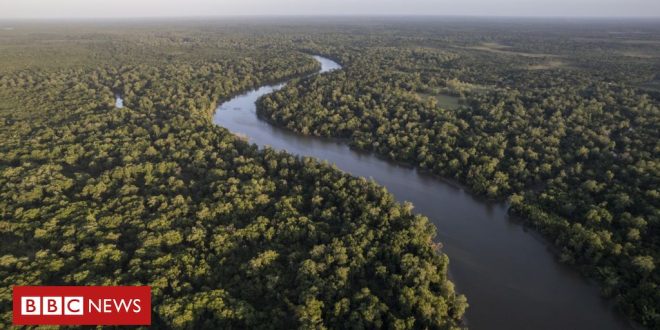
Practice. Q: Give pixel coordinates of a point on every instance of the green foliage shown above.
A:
(574, 146)
(226, 235)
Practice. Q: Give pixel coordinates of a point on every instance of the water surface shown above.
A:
(119, 102)
(509, 276)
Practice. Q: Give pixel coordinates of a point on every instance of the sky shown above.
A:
(10, 9)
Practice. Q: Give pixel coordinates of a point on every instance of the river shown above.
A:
(119, 102)
(510, 277)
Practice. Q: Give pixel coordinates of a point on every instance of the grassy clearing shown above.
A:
(639, 54)
(503, 49)
(444, 100)
(552, 64)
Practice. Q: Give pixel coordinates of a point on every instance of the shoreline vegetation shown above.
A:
(231, 236)
(153, 193)
(598, 218)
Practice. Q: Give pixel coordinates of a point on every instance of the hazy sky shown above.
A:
(158, 8)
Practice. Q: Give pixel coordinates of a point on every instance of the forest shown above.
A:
(560, 122)
(226, 235)
(563, 122)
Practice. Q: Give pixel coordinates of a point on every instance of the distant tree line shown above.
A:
(573, 148)
(227, 236)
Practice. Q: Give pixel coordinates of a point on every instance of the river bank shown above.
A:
(512, 280)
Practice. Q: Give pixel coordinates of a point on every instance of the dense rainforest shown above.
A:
(560, 119)
(563, 121)
(227, 235)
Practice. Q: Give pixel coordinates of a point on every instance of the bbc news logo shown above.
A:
(82, 305)
(52, 305)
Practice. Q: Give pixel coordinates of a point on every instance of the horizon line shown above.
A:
(357, 15)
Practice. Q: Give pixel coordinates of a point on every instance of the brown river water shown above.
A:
(509, 275)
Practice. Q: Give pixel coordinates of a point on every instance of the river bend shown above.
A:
(511, 279)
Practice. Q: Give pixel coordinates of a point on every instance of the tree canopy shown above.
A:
(227, 236)
(562, 121)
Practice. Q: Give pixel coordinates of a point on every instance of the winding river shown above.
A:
(511, 279)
